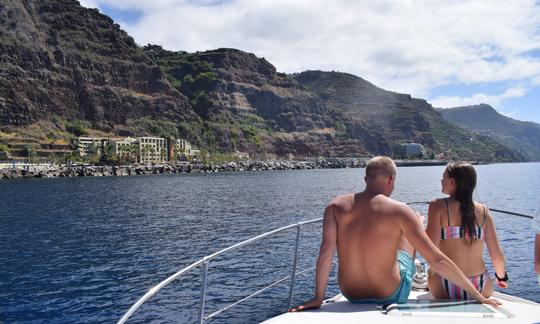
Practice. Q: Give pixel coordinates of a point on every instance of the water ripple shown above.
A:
(84, 249)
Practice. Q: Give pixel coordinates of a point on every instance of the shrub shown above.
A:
(78, 127)
(161, 128)
(201, 104)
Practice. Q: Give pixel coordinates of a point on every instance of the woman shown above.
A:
(459, 226)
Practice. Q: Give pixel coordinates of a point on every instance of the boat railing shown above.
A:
(205, 262)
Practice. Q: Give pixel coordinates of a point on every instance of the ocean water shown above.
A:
(83, 250)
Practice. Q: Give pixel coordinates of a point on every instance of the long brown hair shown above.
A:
(465, 177)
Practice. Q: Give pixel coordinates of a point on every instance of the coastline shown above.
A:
(17, 171)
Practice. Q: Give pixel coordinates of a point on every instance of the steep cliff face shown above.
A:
(378, 118)
(247, 105)
(484, 119)
(65, 69)
(58, 58)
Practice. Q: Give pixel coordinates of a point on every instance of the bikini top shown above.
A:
(449, 231)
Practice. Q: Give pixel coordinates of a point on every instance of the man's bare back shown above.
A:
(367, 244)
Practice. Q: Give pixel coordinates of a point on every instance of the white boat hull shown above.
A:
(339, 310)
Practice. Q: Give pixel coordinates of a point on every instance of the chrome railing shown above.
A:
(205, 262)
(491, 209)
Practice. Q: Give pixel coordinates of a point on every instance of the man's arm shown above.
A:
(439, 262)
(433, 229)
(324, 261)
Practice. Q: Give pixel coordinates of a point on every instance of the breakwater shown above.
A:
(53, 171)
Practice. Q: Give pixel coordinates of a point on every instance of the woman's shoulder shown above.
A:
(481, 212)
(480, 207)
(437, 202)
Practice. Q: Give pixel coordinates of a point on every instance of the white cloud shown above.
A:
(89, 3)
(407, 46)
(512, 114)
(493, 100)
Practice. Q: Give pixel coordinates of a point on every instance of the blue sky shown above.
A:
(449, 52)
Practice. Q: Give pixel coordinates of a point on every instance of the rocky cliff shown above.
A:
(58, 58)
(484, 119)
(66, 70)
(379, 117)
(247, 105)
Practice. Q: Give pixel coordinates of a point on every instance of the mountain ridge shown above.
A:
(524, 136)
(64, 64)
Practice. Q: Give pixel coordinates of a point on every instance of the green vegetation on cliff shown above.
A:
(69, 71)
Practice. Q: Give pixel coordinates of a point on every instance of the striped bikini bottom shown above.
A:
(454, 292)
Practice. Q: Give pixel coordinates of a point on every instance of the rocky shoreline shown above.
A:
(125, 170)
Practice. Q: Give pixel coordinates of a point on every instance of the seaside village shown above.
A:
(122, 150)
(139, 150)
(104, 156)
(143, 150)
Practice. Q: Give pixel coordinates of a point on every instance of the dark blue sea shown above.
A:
(82, 250)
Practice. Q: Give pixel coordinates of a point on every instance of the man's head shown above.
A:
(380, 175)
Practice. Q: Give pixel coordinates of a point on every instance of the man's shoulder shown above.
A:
(344, 198)
(342, 201)
(389, 208)
(387, 201)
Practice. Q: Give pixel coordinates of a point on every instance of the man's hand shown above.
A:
(312, 303)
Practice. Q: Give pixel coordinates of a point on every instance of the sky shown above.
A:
(449, 52)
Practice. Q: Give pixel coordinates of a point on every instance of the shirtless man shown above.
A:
(372, 233)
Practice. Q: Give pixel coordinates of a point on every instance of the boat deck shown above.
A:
(421, 308)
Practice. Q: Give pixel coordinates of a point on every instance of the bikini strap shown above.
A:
(447, 210)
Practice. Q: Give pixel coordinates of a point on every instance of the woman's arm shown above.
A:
(536, 227)
(537, 254)
(433, 228)
(494, 249)
(439, 262)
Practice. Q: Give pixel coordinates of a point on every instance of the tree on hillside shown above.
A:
(30, 153)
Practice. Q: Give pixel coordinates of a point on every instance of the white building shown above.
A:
(406, 150)
(184, 151)
(126, 148)
(91, 145)
(152, 149)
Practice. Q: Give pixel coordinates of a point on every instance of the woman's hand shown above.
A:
(493, 302)
(502, 284)
(312, 303)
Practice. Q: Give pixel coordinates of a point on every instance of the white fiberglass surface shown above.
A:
(445, 308)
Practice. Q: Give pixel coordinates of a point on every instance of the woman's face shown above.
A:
(448, 185)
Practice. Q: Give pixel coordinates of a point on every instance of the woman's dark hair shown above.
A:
(465, 177)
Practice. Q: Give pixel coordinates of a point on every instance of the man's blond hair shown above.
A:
(382, 165)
